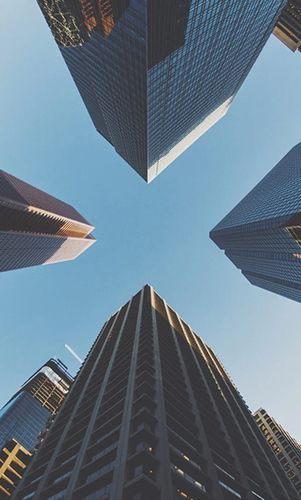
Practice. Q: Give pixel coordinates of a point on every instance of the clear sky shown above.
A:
(155, 233)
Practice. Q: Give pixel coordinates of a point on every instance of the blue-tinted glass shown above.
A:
(156, 74)
(262, 234)
(23, 418)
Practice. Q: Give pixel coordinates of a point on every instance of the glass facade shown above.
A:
(23, 419)
(36, 228)
(261, 235)
(153, 415)
(26, 414)
(156, 75)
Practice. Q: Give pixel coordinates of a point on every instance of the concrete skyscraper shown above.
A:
(155, 75)
(285, 447)
(153, 415)
(36, 228)
(262, 234)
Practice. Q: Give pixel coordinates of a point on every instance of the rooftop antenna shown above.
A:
(73, 353)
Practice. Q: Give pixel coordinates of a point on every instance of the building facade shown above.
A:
(262, 234)
(156, 75)
(286, 448)
(288, 27)
(26, 414)
(14, 459)
(153, 415)
(36, 228)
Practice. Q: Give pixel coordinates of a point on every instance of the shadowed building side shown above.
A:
(262, 234)
(153, 415)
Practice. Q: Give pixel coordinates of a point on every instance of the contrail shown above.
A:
(73, 353)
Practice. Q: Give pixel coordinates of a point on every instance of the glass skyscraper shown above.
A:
(36, 228)
(155, 75)
(153, 415)
(262, 234)
(38, 400)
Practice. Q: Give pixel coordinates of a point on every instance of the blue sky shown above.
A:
(155, 233)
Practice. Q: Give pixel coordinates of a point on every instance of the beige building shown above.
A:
(14, 459)
(288, 27)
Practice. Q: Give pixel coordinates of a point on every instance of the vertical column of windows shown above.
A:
(203, 471)
(215, 418)
(252, 475)
(95, 476)
(183, 439)
(142, 452)
(262, 461)
(61, 447)
(211, 411)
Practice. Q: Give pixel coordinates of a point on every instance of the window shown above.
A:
(257, 496)
(226, 487)
(57, 496)
(30, 495)
(224, 471)
(98, 494)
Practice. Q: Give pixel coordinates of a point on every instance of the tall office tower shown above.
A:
(288, 27)
(262, 234)
(155, 75)
(14, 459)
(286, 448)
(153, 415)
(36, 228)
(28, 411)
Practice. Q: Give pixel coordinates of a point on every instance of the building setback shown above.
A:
(288, 27)
(262, 234)
(157, 75)
(153, 415)
(286, 448)
(36, 228)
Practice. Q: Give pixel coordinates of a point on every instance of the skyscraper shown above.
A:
(153, 415)
(155, 75)
(25, 415)
(262, 234)
(288, 27)
(36, 228)
(286, 448)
